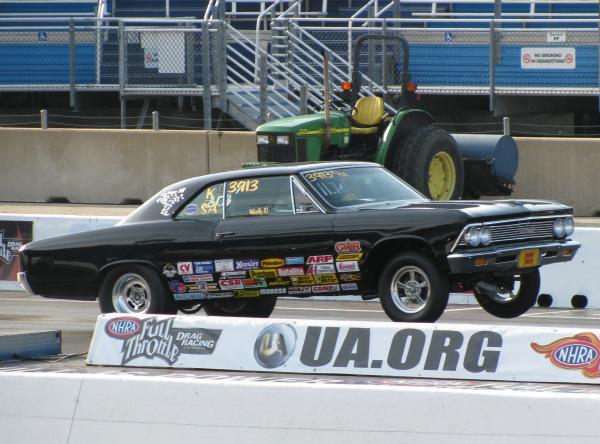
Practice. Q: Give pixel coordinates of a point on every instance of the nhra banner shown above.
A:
(498, 353)
(13, 235)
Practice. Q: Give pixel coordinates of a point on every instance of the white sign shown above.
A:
(556, 37)
(447, 351)
(547, 58)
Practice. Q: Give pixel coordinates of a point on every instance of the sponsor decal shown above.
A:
(321, 269)
(346, 266)
(278, 283)
(198, 286)
(265, 274)
(189, 278)
(220, 295)
(233, 274)
(350, 277)
(408, 349)
(13, 235)
(168, 199)
(349, 287)
(272, 263)
(203, 267)
(247, 264)
(196, 341)
(191, 210)
(299, 290)
(325, 259)
(246, 294)
(294, 260)
(291, 271)
(231, 284)
(212, 286)
(177, 287)
(123, 327)
(254, 283)
(274, 345)
(579, 352)
(193, 296)
(273, 291)
(348, 246)
(326, 279)
(348, 257)
(223, 265)
(302, 280)
(325, 288)
(185, 268)
(169, 271)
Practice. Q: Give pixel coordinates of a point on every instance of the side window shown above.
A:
(303, 202)
(208, 205)
(264, 196)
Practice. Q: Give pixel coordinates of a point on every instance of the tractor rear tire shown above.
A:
(429, 161)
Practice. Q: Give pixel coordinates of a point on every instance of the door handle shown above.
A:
(224, 233)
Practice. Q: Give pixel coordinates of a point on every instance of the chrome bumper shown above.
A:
(22, 279)
(506, 258)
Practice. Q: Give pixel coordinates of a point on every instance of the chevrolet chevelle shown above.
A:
(231, 243)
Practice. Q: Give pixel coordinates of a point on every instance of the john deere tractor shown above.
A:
(407, 143)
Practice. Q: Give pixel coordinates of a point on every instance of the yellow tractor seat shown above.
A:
(366, 115)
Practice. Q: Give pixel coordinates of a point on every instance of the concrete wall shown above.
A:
(107, 166)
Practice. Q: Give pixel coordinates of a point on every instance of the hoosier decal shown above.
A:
(247, 264)
(579, 352)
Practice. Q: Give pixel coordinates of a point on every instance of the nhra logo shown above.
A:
(579, 352)
(123, 328)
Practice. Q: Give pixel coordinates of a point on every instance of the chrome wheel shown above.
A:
(410, 289)
(131, 294)
(507, 291)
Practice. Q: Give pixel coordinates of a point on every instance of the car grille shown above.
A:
(282, 153)
(521, 230)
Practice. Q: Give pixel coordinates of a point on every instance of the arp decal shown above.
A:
(294, 260)
(169, 271)
(247, 264)
(348, 246)
(347, 266)
(265, 274)
(231, 284)
(321, 269)
(223, 265)
(323, 259)
(579, 352)
(168, 199)
(348, 257)
(203, 267)
(272, 263)
(291, 271)
(185, 268)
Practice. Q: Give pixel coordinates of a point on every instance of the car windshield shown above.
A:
(360, 187)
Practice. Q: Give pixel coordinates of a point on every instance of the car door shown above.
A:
(271, 232)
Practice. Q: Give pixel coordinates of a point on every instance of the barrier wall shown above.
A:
(108, 166)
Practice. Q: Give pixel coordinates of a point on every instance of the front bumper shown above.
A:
(500, 259)
(22, 279)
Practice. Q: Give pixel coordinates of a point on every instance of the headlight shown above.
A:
(485, 236)
(569, 226)
(283, 140)
(559, 227)
(262, 139)
(473, 237)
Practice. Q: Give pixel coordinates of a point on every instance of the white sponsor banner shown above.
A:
(504, 353)
(548, 58)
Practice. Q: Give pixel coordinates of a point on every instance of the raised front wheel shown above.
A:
(510, 296)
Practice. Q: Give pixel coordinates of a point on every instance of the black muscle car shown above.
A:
(232, 242)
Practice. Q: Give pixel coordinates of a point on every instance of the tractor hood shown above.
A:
(306, 125)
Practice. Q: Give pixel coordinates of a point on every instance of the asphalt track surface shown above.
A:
(76, 319)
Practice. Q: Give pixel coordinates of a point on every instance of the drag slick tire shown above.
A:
(411, 289)
(260, 307)
(430, 161)
(506, 302)
(134, 289)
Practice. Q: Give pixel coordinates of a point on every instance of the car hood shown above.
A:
(482, 210)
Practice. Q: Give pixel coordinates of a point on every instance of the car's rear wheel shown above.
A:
(512, 296)
(411, 289)
(260, 307)
(134, 289)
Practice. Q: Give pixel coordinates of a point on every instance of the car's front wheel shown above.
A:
(411, 289)
(511, 296)
(260, 307)
(134, 289)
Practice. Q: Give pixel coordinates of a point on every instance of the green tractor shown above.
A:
(407, 143)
